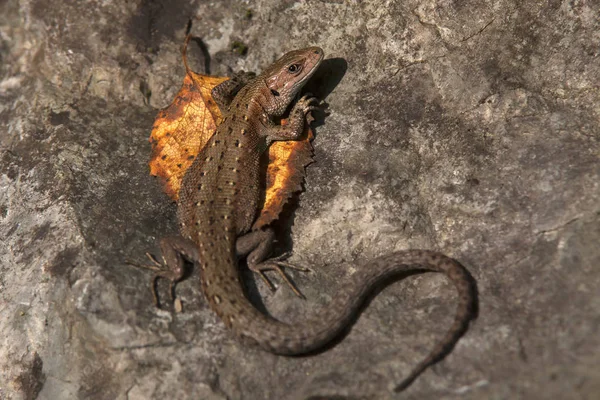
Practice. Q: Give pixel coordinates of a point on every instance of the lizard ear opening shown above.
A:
(274, 92)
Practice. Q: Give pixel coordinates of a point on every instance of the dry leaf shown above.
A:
(183, 128)
(285, 174)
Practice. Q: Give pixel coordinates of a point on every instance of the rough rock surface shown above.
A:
(468, 127)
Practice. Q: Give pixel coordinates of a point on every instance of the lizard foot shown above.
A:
(156, 265)
(161, 272)
(174, 250)
(308, 103)
(276, 264)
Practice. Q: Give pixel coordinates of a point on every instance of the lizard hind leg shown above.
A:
(256, 246)
(174, 250)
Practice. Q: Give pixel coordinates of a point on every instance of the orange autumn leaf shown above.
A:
(285, 174)
(182, 129)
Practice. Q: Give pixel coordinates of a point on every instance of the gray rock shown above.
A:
(470, 128)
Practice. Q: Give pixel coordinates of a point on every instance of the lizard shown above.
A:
(219, 200)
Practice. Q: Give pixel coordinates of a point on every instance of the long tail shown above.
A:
(254, 327)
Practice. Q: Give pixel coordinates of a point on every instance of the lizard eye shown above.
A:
(295, 68)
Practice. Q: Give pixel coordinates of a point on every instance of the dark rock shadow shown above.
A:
(156, 20)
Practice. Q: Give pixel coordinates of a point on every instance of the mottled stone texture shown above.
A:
(470, 127)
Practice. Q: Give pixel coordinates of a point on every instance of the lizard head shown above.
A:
(286, 76)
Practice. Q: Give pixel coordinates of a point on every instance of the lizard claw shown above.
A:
(275, 264)
(285, 256)
(161, 272)
(307, 102)
(155, 266)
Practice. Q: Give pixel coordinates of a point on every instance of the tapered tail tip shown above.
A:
(404, 384)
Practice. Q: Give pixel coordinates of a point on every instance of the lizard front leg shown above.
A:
(294, 127)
